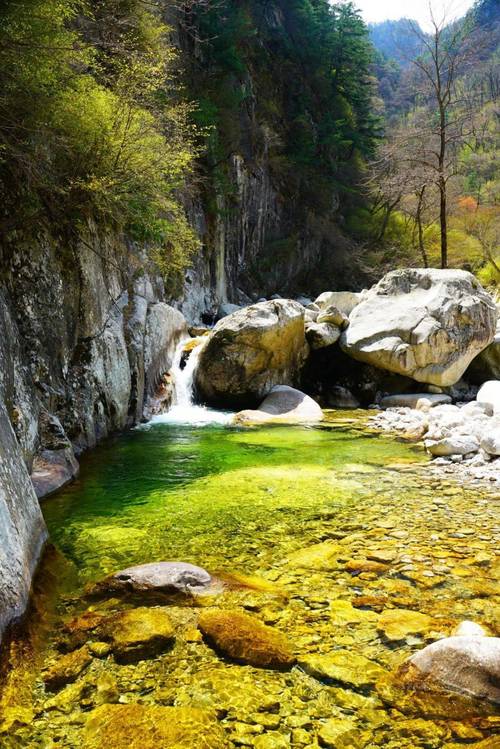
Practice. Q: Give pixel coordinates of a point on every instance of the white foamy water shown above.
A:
(184, 410)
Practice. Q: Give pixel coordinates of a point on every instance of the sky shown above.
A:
(381, 10)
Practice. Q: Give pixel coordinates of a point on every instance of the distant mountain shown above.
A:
(397, 40)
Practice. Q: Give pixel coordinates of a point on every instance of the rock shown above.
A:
(321, 335)
(245, 639)
(227, 309)
(341, 397)
(344, 667)
(159, 577)
(345, 301)
(66, 669)
(322, 556)
(489, 394)
(304, 301)
(456, 444)
(343, 612)
(414, 400)
(284, 405)
(271, 740)
(491, 442)
(150, 727)
(469, 629)
(487, 365)
(333, 316)
(53, 469)
(250, 352)
(464, 664)
(341, 733)
(139, 633)
(397, 624)
(424, 324)
(310, 316)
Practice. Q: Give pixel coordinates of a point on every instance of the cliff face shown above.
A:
(85, 338)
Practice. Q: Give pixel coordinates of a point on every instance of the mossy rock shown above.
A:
(66, 669)
(139, 633)
(244, 639)
(147, 727)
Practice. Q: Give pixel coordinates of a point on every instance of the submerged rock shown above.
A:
(159, 577)
(344, 667)
(397, 624)
(464, 664)
(424, 324)
(284, 405)
(250, 352)
(148, 727)
(66, 669)
(341, 733)
(139, 633)
(245, 639)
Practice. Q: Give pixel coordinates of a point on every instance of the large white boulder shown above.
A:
(321, 335)
(469, 665)
(284, 405)
(455, 444)
(490, 442)
(251, 351)
(489, 394)
(425, 324)
(345, 301)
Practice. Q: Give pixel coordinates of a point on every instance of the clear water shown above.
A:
(262, 502)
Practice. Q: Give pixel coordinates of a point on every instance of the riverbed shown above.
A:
(322, 531)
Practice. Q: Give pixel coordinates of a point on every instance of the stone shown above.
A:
(397, 624)
(322, 556)
(271, 740)
(138, 633)
(321, 335)
(66, 669)
(341, 733)
(455, 444)
(490, 443)
(487, 365)
(251, 351)
(284, 405)
(226, 309)
(341, 397)
(243, 638)
(469, 629)
(489, 394)
(343, 612)
(414, 400)
(462, 664)
(345, 301)
(426, 324)
(343, 667)
(149, 727)
(334, 316)
(158, 577)
(53, 469)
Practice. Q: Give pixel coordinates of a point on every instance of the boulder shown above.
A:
(321, 335)
(284, 405)
(490, 443)
(227, 309)
(455, 444)
(345, 301)
(137, 634)
(66, 669)
(414, 400)
(251, 351)
(489, 394)
(334, 316)
(244, 639)
(425, 324)
(344, 667)
(397, 624)
(487, 365)
(151, 727)
(158, 577)
(341, 397)
(464, 664)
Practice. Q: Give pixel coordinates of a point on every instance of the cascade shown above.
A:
(185, 410)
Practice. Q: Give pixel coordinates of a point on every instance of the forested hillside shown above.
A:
(437, 172)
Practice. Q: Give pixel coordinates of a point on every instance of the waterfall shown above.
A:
(184, 410)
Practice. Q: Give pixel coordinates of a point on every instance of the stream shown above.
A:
(324, 529)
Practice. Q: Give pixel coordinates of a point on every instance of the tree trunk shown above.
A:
(421, 244)
(443, 220)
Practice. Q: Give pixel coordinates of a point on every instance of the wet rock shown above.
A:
(343, 612)
(147, 727)
(358, 566)
(463, 664)
(66, 669)
(414, 400)
(271, 740)
(321, 335)
(138, 633)
(424, 324)
(245, 639)
(344, 667)
(159, 577)
(341, 733)
(284, 405)
(397, 624)
(250, 352)
(318, 556)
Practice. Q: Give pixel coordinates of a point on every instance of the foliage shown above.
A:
(90, 123)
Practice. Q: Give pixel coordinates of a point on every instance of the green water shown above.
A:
(272, 503)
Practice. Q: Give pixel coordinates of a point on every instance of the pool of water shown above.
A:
(334, 526)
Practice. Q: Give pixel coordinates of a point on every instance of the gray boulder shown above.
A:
(455, 444)
(284, 405)
(414, 400)
(425, 324)
(321, 335)
(464, 664)
(159, 577)
(250, 352)
(490, 443)
(334, 316)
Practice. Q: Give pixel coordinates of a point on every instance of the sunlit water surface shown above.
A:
(263, 502)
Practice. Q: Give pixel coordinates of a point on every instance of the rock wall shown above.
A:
(85, 338)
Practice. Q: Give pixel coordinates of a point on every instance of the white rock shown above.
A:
(414, 400)
(469, 629)
(284, 405)
(321, 335)
(489, 394)
(345, 301)
(490, 443)
(453, 445)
